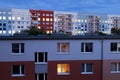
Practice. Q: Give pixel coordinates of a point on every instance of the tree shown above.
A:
(34, 31)
(115, 31)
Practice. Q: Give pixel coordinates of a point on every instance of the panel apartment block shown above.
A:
(65, 22)
(43, 20)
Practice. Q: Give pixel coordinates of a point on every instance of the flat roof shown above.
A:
(59, 37)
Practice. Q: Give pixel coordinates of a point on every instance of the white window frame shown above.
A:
(20, 49)
(62, 73)
(118, 46)
(38, 76)
(85, 69)
(20, 70)
(84, 51)
(43, 58)
(61, 52)
(117, 71)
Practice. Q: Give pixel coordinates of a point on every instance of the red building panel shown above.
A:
(75, 70)
(43, 19)
(6, 71)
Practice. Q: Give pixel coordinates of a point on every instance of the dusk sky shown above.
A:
(84, 6)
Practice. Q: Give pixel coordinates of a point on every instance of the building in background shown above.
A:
(43, 20)
(5, 22)
(20, 20)
(69, 58)
(90, 23)
(65, 22)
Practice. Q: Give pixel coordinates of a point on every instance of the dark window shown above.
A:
(113, 46)
(17, 47)
(87, 68)
(86, 47)
(40, 57)
(17, 69)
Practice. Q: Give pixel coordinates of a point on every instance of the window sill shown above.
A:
(115, 72)
(114, 52)
(64, 53)
(87, 73)
(41, 63)
(17, 75)
(17, 54)
(63, 73)
(86, 52)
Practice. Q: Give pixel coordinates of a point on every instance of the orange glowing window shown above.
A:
(63, 68)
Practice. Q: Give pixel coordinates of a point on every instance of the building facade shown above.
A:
(60, 58)
(65, 22)
(43, 20)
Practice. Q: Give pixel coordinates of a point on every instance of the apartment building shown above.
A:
(60, 58)
(43, 20)
(65, 22)
(89, 23)
(5, 26)
(13, 21)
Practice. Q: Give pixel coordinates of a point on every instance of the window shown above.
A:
(40, 57)
(62, 47)
(63, 69)
(87, 68)
(86, 47)
(115, 47)
(4, 18)
(41, 76)
(18, 70)
(17, 47)
(115, 67)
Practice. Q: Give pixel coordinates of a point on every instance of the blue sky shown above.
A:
(85, 6)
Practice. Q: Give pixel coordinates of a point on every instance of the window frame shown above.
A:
(45, 54)
(20, 70)
(61, 67)
(117, 67)
(21, 48)
(60, 50)
(84, 47)
(118, 46)
(85, 68)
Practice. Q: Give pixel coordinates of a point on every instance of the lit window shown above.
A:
(0, 32)
(17, 47)
(86, 47)
(4, 18)
(18, 18)
(87, 68)
(43, 14)
(115, 47)
(13, 18)
(51, 19)
(41, 76)
(63, 69)
(0, 17)
(38, 19)
(78, 20)
(9, 18)
(40, 57)
(47, 19)
(4, 32)
(9, 32)
(62, 47)
(18, 70)
(43, 19)
(47, 32)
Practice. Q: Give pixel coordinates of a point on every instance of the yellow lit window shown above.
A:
(63, 68)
